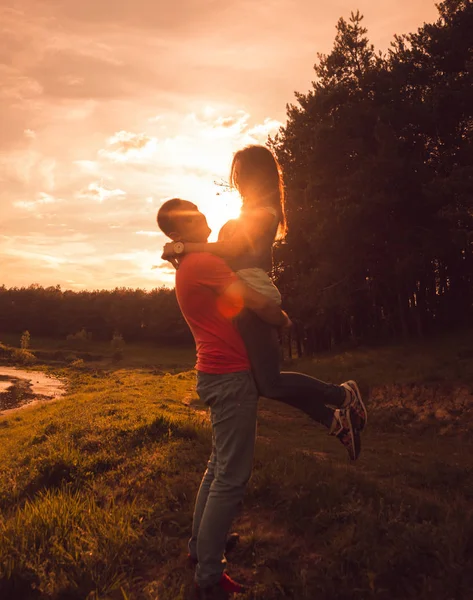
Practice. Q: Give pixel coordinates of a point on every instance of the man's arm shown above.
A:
(240, 293)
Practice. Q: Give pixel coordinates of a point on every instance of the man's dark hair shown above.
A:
(169, 213)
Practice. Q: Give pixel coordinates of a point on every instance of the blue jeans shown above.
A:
(233, 402)
(296, 389)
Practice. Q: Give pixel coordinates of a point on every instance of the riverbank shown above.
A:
(20, 388)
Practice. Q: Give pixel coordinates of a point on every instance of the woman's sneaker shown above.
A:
(357, 404)
(221, 590)
(342, 428)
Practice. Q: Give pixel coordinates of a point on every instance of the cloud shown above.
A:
(202, 143)
(97, 191)
(149, 233)
(268, 127)
(43, 198)
(124, 141)
(174, 17)
(45, 260)
(26, 167)
(226, 122)
(88, 166)
(65, 73)
(127, 146)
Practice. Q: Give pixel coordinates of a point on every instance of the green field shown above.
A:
(97, 489)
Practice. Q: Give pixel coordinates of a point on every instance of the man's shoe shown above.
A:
(232, 541)
(221, 590)
(357, 404)
(342, 428)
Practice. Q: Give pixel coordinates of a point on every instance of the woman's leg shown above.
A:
(296, 389)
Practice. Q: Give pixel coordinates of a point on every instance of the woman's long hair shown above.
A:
(256, 174)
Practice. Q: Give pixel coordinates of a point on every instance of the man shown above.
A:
(210, 295)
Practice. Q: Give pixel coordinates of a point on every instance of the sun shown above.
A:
(219, 205)
(216, 201)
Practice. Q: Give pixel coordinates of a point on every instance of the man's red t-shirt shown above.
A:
(201, 282)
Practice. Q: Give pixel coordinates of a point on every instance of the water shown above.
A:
(5, 385)
(18, 388)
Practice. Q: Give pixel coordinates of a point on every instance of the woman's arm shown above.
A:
(240, 242)
(236, 246)
(225, 249)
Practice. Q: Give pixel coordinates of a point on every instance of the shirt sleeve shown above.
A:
(213, 272)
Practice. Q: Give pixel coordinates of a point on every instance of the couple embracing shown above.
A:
(234, 312)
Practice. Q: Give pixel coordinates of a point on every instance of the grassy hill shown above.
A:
(97, 489)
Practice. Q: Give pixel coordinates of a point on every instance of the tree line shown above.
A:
(136, 315)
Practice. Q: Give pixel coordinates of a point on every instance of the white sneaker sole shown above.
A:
(354, 386)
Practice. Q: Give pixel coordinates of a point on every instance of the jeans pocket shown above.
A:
(208, 388)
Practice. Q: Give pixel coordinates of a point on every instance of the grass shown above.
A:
(438, 359)
(97, 490)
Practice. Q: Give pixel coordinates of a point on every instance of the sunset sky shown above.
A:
(109, 107)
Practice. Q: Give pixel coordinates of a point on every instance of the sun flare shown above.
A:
(219, 205)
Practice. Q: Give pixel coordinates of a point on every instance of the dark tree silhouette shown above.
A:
(379, 174)
(137, 315)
